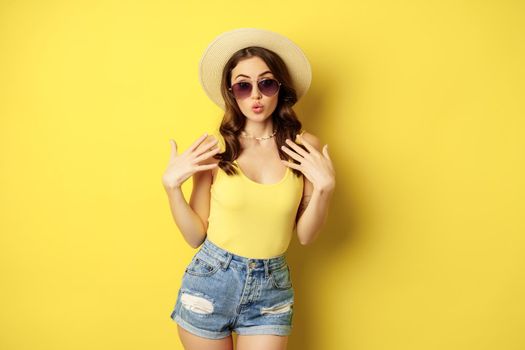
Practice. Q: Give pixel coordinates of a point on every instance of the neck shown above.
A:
(259, 129)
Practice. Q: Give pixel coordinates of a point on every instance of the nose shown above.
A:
(256, 94)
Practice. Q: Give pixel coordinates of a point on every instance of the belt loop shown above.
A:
(226, 262)
(266, 269)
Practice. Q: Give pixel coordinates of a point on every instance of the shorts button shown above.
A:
(252, 264)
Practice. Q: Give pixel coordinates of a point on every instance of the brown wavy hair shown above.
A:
(285, 121)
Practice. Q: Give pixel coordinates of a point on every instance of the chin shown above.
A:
(254, 116)
(260, 116)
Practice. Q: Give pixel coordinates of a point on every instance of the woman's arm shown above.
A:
(188, 222)
(314, 205)
(312, 214)
(192, 218)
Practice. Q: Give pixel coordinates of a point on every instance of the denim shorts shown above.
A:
(223, 292)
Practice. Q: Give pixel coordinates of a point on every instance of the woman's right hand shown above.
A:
(182, 166)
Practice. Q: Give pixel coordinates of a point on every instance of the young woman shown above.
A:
(248, 200)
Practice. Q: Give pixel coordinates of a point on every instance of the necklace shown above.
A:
(246, 135)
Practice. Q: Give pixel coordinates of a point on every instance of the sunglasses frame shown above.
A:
(278, 88)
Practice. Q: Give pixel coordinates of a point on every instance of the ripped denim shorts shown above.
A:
(222, 292)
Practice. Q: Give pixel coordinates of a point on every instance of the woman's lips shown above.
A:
(257, 109)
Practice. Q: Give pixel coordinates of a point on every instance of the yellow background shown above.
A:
(421, 103)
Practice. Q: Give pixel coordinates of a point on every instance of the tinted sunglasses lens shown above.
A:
(268, 87)
(242, 89)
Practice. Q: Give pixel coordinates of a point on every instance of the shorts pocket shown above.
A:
(203, 265)
(281, 278)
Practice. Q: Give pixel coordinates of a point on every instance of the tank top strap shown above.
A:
(217, 174)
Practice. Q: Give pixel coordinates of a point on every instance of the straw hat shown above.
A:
(226, 44)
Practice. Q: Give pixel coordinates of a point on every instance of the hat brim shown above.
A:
(226, 44)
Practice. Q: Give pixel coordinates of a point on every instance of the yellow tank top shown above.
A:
(251, 219)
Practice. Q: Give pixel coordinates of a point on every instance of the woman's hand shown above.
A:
(181, 167)
(317, 167)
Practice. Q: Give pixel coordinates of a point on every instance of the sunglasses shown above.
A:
(267, 87)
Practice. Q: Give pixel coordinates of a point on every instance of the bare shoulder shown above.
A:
(211, 173)
(312, 140)
(205, 176)
(203, 149)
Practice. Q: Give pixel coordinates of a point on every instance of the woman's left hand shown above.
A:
(317, 167)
